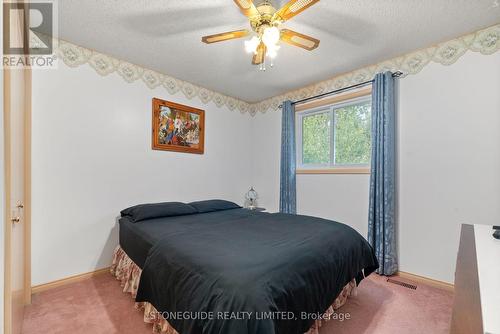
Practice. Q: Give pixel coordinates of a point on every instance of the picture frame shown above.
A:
(177, 127)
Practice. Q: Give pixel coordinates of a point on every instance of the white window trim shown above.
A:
(330, 167)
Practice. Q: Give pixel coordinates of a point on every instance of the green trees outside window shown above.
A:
(337, 136)
(316, 139)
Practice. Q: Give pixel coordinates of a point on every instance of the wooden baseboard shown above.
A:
(68, 280)
(81, 277)
(427, 281)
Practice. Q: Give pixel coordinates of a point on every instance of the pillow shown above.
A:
(157, 210)
(213, 205)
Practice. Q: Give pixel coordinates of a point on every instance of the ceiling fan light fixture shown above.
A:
(265, 21)
(272, 51)
(252, 44)
(271, 36)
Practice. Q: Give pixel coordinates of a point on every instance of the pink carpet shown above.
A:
(98, 305)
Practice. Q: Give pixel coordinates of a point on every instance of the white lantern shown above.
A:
(251, 196)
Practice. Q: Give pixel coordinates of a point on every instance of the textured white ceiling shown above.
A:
(165, 35)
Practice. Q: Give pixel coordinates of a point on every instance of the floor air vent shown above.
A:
(406, 285)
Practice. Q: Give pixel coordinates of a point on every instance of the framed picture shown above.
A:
(177, 127)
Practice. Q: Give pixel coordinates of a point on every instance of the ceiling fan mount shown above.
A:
(265, 21)
(266, 11)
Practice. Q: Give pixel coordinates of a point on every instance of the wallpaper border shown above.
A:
(485, 41)
(73, 56)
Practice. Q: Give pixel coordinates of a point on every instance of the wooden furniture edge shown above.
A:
(425, 280)
(68, 280)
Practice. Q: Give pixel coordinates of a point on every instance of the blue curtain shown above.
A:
(288, 200)
(381, 220)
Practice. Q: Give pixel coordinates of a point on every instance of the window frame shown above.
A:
(331, 167)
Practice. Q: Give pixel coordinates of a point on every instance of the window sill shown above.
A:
(338, 170)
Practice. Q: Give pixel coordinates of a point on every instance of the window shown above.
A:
(335, 137)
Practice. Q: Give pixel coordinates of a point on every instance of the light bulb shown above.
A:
(271, 36)
(272, 51)
(252, 44)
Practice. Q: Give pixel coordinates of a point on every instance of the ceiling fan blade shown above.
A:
(292, 8)
(247, 8)
(303, 41)
(225, 36)
(259, 56)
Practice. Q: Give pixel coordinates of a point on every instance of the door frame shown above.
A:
(27, 73)
(27, 185)
(7, 197)
(7, 294)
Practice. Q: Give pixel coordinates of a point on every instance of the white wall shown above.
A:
(449, 163)
(449, 141)
(265, 151)
(92, 157)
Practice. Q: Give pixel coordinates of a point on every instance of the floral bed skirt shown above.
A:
(128, 273)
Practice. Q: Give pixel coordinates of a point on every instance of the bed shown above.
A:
(212, 267)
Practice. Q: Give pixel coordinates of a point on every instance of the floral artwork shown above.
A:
(177, 127)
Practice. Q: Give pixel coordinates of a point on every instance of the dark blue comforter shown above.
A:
(251, 274)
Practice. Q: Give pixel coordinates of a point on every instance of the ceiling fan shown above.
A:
(265, 21)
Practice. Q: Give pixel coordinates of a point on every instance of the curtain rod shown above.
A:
(396, 74)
